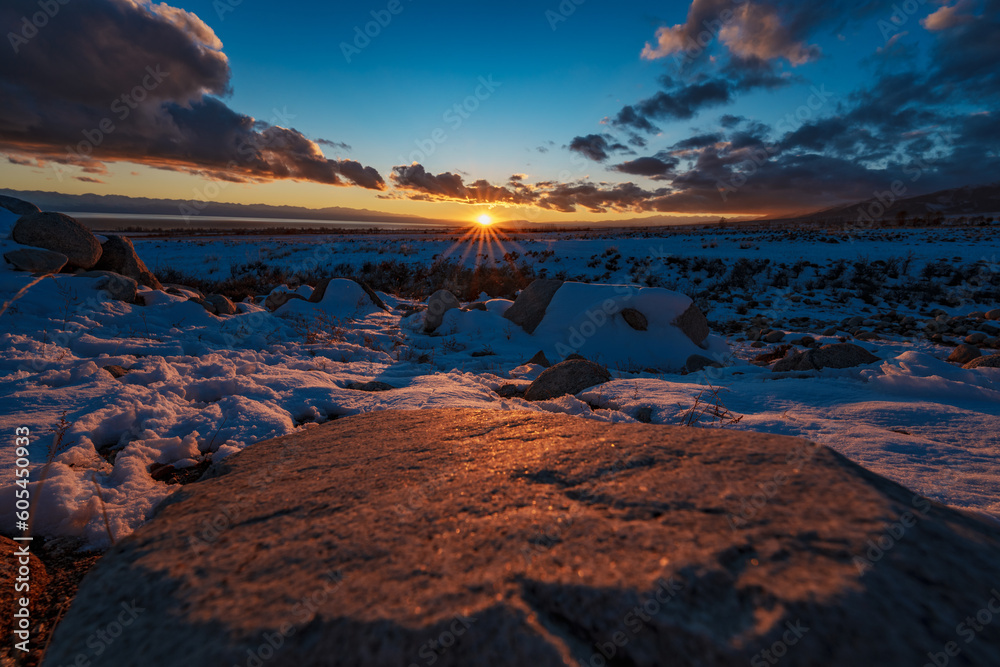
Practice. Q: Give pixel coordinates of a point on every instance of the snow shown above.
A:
(201, 387)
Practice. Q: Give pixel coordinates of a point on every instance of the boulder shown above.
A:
(975, 338)
(60, 233)
(528, 308)
(772, 337)
(635, 319)
(438, 304)
(223, 305)
(839, 355)
(494, 538)
(697, 362)
(567, 377)
(119, 255)
(993, 314)
(539, 359)
(18, 206)
(990, 361)
(694, 324)
(117, 287)
(322, 285)
(206, 304)
(36, 260)
(963, 354)
(276, 300)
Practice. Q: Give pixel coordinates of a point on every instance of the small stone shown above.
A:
(635, 319)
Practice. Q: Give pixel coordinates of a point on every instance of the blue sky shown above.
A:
(562, 86)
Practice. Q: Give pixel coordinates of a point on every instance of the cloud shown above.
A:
(948, 17)
(597, 147)
(655, 168)
(339, 145)
(129, 80)
(697, 141)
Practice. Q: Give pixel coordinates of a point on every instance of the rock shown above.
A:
(539, 359)
(116, 371)
(697, 362)
(438, 304)
(963, 354)
(60, 233)
(575, 355)
(118, 288)
(119, 255)
(511, 391)
(493, 538)
(18, 206)
(322, 285)
(694, 324)
(644, 415)
(868, 335)
(977, 315)
(36, 260)
(222, 303)
(373, 385)
(840, 355)
(807, 341)
(567, 377)
(993, 314)
(206, 304)
(832, 331)
(975, 338)
(990, 361)
(635, 319)
(774, 337)
(529, 307)
(276, 300)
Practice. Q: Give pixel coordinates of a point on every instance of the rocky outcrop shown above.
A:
(119, 255)
(529, 307)
(59, 233)
(438, 304)
(839, 355)
(496, 538)
(567, 377)
(36, 260)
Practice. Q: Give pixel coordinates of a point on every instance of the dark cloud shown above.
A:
(697, 141)
(597, 147)
(656, 168)
(119, 80)
(339, 145)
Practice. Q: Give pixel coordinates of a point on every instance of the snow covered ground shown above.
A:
(201, 387)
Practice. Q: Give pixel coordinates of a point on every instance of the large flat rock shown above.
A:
(470, 537)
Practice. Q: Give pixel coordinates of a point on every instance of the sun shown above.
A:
(485, 219)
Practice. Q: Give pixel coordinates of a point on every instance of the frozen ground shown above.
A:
(201, 387)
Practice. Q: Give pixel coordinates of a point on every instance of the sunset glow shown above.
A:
(485, 219)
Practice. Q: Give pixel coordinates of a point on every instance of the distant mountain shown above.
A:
(970, 200)
(139, 206)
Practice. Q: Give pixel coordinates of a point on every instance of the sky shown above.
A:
(547, 111)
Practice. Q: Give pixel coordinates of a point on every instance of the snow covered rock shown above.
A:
(991, 361)
(36, 260)
(567, 377)
(222, 304)
(119, 255)
(320, 292)
(530, 305)
(840, 355)
(438, 304)
(963, 354)
(503, 538)
(338, 298)
(60, 233)
(279, 298)
(698, 362)
(117, 287)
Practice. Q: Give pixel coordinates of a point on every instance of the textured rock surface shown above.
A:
(36, 260)
(990, 361)
(59, 233)
(635, 319)
(694, 324)
(567, 377)
(119, 255)
(529, 307)
(840, 355)
(511, 538)
(18, 206)
(438, 304)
